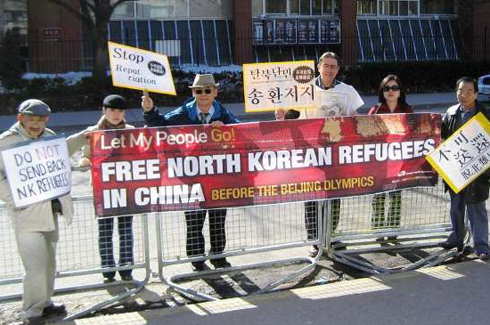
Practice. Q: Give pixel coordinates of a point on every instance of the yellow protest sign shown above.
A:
(288, 85)
(465, 155)
(140, 69)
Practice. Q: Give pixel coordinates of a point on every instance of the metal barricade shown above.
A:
(390, 222)
(77, 254)
(249, 230)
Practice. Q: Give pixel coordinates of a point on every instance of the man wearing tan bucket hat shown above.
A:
(203, 108)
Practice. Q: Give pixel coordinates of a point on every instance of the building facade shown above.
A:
(224, 32)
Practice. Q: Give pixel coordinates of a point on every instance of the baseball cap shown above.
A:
(34, 107)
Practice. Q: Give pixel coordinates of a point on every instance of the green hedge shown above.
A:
(418, 77)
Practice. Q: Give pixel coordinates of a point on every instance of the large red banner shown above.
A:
(200, 167)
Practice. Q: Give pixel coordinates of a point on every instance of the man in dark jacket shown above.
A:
(201, 109)
(473, 197)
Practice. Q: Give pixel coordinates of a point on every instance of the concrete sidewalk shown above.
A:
(134, 116)
(416, 297)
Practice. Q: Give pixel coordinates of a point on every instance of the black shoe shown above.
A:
(447, 245)
(109, 280)
(338, 245)
(127, 277)
(382, 241)
(198, 266)
(392, 238)
(38, 320)
(54, 310)
(220, 263)
(313, 251)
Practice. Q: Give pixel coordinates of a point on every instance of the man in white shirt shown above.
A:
(333, 98)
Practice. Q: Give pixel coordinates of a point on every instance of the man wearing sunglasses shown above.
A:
(203, 108)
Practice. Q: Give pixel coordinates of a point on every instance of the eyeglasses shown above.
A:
(388, 88)
(206, 91)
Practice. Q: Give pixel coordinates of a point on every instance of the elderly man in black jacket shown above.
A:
(473, 197)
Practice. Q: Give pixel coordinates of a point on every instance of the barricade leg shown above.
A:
(248, 231)
(423, 223)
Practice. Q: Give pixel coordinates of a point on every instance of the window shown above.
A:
(367, 7)
(294, 7)
(276, 7)
(408, 8)
(174, 9)
(431, 7)
(388, 8)
(124, 10)
(413, 39)
(316, 8)
(304, 7)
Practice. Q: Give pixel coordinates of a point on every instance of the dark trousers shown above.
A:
(195, 239)
(378, 220)
(478, 220)
(311, 217)
(106, 246)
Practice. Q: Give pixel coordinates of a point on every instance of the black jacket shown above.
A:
(477, 191)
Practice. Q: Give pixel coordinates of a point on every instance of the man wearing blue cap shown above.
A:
(36, 226)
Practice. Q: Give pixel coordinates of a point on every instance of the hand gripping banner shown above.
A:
(200, 167)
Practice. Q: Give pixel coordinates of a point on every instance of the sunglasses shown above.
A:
(388, 88)
(206, 91)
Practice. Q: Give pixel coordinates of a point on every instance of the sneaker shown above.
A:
(54, 310)
(38, 320)
(127, 277)
(313, 251)
(483, 256)
(198, 266)
(109, 280)
(220, 263)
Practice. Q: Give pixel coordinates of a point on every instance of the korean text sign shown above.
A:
(268, 86)
(465, 154)
(37, 170)
(140, 69)
(200, 167)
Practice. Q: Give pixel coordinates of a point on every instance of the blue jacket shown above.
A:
(187, 114)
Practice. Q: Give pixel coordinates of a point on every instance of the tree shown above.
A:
(95, 16)
(11, 68)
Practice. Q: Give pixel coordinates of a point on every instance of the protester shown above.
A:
(472, 198)
(333, 98)
(36, 226)
(391, 100)
(113, 112)
(201, 109)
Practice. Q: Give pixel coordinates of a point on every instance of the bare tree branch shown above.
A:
(72, 10)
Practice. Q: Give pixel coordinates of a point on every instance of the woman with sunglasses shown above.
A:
(391, 96)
